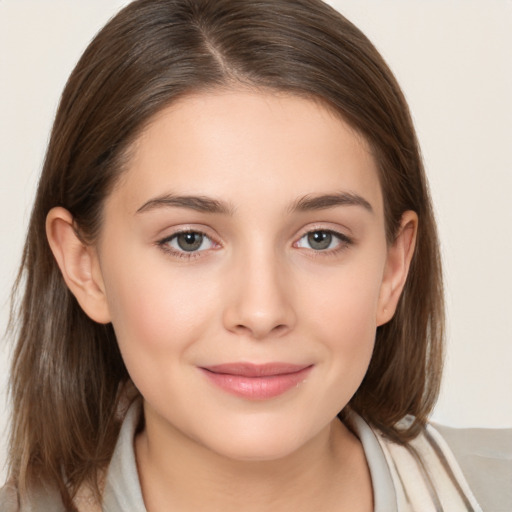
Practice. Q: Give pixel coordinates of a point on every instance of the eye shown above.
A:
(322, 240)
(187, 242)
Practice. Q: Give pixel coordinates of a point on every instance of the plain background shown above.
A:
(453, 60)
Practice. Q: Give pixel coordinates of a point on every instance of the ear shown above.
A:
(398, 260)
(78, 263)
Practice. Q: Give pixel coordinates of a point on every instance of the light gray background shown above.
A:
(454, 62)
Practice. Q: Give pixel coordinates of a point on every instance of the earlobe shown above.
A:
(398, 261)
(78, 263)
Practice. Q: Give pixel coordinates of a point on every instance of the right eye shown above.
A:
(186, 243)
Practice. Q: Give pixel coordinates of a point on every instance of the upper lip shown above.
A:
(256, 370)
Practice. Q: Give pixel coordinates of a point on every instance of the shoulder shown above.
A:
(9, 498)
(452, 469)
(40, 499)
(485, 459)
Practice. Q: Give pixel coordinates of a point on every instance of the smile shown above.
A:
(256, 382)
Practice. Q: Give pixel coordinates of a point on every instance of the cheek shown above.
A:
(155, 310)
(349, 330)
(347, 301)
(344, 320)
(158, 316)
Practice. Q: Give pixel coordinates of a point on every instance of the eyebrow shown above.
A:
(199, 203)
(325, 201)
(206, 204)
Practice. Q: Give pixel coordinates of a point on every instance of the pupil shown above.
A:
(320, 240)
(190, 241)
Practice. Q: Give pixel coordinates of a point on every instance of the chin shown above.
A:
(264, 451)
(258, 442)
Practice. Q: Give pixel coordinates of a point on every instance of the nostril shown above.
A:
(261, 331)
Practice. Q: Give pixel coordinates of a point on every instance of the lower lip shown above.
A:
(257, 388)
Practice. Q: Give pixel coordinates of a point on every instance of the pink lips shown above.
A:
(256, 382)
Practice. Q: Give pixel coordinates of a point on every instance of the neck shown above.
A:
(327, 473)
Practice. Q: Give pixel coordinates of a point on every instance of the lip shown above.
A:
(257, 381)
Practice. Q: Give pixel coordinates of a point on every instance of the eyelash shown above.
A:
(164, 244)
(343, 242)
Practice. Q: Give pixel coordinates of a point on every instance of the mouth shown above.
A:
(257, 381)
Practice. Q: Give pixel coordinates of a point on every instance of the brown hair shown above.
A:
(67, 371)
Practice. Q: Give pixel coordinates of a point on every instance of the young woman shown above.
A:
(232, 287)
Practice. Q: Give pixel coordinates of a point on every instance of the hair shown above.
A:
(67, 375)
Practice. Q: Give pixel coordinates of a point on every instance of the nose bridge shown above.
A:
(261, 302)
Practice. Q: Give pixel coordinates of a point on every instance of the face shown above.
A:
(244, 263)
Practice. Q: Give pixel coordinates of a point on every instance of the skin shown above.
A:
(256, 291)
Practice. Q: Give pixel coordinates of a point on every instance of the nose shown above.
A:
(260, 303)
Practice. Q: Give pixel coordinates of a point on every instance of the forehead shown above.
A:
(244, 144)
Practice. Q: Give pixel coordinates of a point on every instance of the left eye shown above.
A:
(190, 241)
(320, 240)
